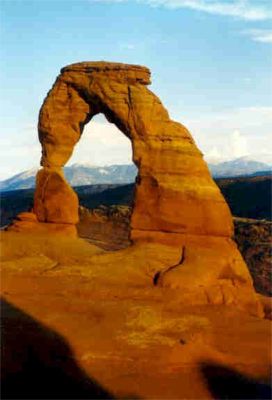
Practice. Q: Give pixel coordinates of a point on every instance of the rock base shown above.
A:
(27, 222)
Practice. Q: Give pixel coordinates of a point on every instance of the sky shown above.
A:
(211, 64)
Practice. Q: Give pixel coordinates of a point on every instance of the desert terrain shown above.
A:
(71, 331)
(149, 302)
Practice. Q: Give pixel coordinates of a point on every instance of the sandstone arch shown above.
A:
(174, 191)
(176, 202)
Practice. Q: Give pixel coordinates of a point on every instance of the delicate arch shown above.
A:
(174, 190)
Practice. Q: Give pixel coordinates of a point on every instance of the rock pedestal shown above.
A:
(54, 200)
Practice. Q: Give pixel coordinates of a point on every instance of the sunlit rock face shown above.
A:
(175, 192)
(176, 201)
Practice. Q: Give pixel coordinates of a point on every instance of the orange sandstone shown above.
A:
(174, 191)
(176, 202)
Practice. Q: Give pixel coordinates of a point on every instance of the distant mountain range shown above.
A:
(242, 166)
(85, 174)
(77, 175)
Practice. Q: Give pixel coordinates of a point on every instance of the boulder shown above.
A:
(54, 200)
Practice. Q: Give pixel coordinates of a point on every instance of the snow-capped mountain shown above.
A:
(82, 174)
(240, 166)
(86, 174)
(77, 175)
(23, 180)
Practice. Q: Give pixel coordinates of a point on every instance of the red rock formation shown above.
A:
(176, 201)
(55, 201)
(175, 192)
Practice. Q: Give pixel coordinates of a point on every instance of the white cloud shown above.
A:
(235, 146)
(102, 144)
(20, 152)
(213, 155)
(259, 35)
(257, 110)
(250, 10)
(233, 133)
(247, 10)
(220, 136)
(238, 144)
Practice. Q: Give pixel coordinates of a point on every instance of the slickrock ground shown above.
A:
(108, 228)
(80, 323)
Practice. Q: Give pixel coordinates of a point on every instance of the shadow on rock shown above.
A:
(226, 383)
(36, 362)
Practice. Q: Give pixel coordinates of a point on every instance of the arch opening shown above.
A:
(102, 143)
(102, 172)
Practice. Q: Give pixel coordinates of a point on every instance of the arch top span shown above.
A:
(124, 72)
(85, 89)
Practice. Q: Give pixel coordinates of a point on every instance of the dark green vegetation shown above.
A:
(254, 241)
(248, 197)
(91, 196)
(14, 202)
(109, 195)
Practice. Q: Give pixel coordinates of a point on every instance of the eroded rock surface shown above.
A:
(134, 340)
(54, 200)
(175, 192)
(176, 201)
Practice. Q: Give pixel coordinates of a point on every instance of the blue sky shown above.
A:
(211, 64)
